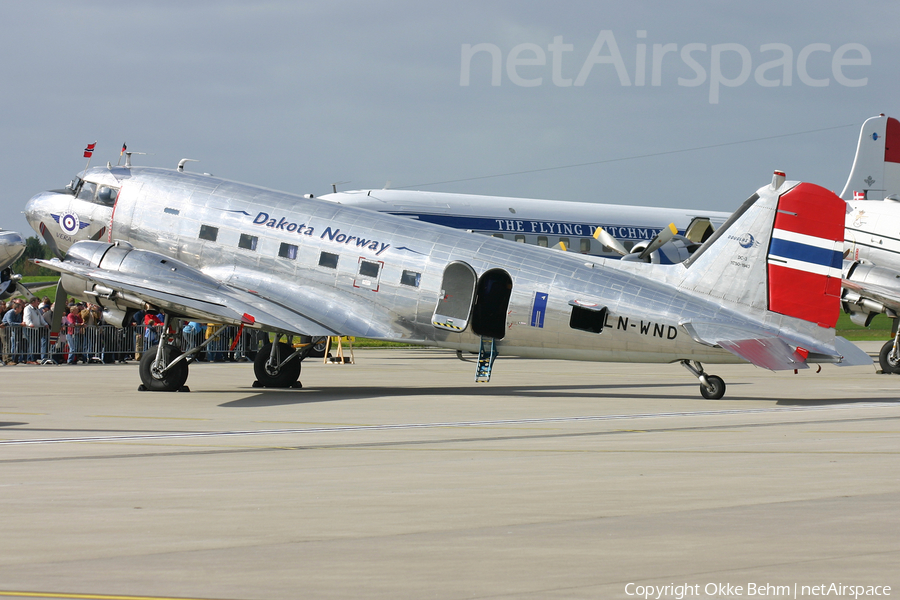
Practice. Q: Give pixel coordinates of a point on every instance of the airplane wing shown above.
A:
(890, 298)
(200, 298)
(772, 352)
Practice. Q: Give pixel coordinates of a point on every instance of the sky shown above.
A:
(688, 105)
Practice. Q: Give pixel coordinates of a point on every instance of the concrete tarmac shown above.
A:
(399, 477)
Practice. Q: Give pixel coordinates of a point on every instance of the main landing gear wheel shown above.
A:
(273, 377)
(889, 362)
(717, 385)
(153, 378)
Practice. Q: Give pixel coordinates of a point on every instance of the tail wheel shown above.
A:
(284, 377)
(152, 376)
(889, 363)
(717, 385)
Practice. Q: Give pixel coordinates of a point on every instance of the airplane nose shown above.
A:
(12, 245)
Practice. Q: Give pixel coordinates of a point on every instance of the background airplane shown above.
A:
(549, 223)
(12, 245)
(202, 247)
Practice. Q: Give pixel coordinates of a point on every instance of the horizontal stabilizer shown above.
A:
(773, 352)
(768, 353)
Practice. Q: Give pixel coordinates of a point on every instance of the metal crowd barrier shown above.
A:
(108, 344)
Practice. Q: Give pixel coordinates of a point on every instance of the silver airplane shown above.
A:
(872, 226)
(763, 289)
(12, 245)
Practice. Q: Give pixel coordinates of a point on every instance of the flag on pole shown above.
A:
(859, 195)
(89, 151)
(124, 148)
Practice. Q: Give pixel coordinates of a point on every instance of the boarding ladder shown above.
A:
(486, 357)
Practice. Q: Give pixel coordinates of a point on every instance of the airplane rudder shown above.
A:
(805, 255)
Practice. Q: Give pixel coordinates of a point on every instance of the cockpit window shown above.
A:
(106, 195)
(87, 191)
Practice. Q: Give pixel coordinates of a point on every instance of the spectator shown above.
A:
(75, 335)
(153, 321)
(13, 321)
(4, 334)
(91, 317)
(31, 320)
(47, 318)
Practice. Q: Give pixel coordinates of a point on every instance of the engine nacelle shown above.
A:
(672, 252)
(124, 258)
(861, 309)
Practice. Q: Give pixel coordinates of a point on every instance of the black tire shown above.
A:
(718, 386)
(286, 376)
(888, 364)
(318, 350)
(173, 379)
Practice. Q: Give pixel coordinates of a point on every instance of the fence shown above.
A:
(108, 344)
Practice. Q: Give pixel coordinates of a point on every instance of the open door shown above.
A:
(492, 304)
(455, 303)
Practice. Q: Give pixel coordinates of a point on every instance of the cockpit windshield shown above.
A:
(88, 191)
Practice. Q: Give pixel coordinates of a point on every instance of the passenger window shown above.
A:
(328, 260)
(410, 278)
(542, 241)
(208, 232)
(585, 319)
(87, 191)
(107, 195)
(369, 269)
(367, 274)
(497, 235)
(288, 251)
(565, 242)
(585, 245)
(247, 241)
(520, 239)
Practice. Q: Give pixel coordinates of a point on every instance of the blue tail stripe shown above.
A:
(806, 253)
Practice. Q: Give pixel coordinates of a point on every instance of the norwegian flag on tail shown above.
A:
(805, 255)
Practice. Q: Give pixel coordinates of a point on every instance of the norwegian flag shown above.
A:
(89, 151)
(859, 195)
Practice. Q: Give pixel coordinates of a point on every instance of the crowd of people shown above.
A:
(25, 335)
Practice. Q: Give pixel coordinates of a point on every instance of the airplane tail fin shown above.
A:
(781, 252)
(876, 168)
(778, 257)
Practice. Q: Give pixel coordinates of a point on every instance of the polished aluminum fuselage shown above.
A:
(12, 245)
(163, 211)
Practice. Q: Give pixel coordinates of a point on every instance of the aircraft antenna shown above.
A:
(128, 154)
(184, 161)
(334, 185)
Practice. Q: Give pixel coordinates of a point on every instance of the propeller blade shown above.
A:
(45, 233)
(7, 288)
(560, 246)
(602, 236)
(24, 291)
(664, 236)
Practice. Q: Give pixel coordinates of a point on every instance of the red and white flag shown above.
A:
(89, 151)
(859, 195)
